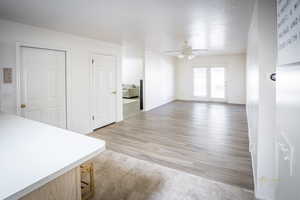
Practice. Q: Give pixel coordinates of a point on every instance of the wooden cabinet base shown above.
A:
(64, 187)
(87, 181)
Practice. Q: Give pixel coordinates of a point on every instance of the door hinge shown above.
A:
(93, 117)
(93, 61)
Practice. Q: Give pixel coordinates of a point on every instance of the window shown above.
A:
(217, 82)
(200, 82)
(209, 83)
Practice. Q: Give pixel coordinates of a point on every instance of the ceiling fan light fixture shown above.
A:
(185, 52)
(180, 56)
(190, 57)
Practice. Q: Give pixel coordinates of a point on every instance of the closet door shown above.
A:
(43, 85)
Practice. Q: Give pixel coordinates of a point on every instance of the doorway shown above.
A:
(209, 83)
(132, 86)
(43, 85)
(104, 93)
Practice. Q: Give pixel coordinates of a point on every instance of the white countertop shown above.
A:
(33, 153)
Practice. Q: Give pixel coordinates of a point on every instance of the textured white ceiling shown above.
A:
(219, 25)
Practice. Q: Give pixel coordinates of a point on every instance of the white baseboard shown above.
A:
(161, 104)
(217, 101)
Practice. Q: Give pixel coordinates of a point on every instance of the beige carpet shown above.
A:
(121, 177)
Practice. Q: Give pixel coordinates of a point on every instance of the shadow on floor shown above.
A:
(116, 182)
(121, 177)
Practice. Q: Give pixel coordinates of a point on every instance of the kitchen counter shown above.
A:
(32, 154)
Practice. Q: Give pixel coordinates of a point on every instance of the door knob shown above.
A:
(23, 106)
(114, 92)
(273, 77)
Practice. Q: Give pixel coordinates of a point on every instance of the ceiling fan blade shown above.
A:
(196, 50)
(173, 51)
(199, 51)
(172, 54)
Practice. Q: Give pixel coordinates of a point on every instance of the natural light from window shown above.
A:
(209, 82)
(217, 79)
(200, 81)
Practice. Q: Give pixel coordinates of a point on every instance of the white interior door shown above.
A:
(104, 90)
(43, 85)
(209, 83)
(287, 125)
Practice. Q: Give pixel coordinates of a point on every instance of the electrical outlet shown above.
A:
(7, 75)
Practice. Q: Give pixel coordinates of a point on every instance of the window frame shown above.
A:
(208, 83)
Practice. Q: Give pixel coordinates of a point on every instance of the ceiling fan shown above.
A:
(185, 52)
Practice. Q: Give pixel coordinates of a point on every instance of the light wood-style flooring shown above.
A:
(204, 139)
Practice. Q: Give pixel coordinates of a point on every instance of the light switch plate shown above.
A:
(287, 151)
(7, 75)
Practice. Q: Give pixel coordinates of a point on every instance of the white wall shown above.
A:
(159, 80)
(235, 72)
(261, 100)
(79, 52)
(132, 70)
(253, 90)
(132, 64)
(7, 91)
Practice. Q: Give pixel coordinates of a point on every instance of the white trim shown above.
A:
(19, 45)
(156, 106)
(18, 79)
(144, 84)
